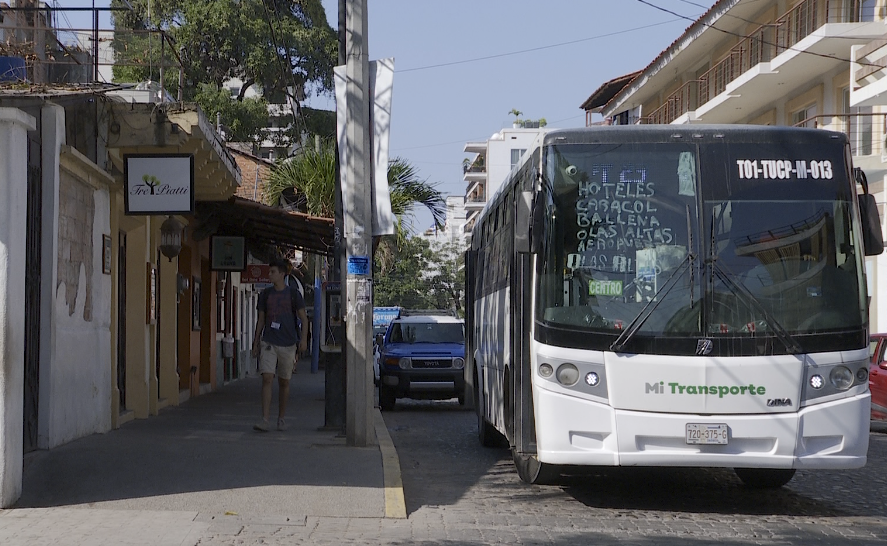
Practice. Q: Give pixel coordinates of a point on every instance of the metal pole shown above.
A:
(358, 227)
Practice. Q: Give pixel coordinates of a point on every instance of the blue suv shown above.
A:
(422, 357)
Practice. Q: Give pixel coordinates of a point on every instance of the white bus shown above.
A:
(674, 296)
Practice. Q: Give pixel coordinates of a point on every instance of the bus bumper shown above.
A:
(573, 431)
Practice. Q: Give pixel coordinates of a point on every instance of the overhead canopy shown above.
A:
(174, 128)
(607, 91)
(266, 225)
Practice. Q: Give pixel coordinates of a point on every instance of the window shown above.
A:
(516, 154)
(805, 117)
(867, 10)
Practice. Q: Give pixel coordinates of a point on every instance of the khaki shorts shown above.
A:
(279, 360)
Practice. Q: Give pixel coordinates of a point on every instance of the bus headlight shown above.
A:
(841, 377)
(567, 374)
(817, 382)
(545, 370)
(405, 363)
(458, 363)
(592, 379)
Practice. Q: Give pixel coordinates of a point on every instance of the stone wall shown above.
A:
(75, 245)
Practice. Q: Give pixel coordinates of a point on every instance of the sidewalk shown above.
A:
(167, 479)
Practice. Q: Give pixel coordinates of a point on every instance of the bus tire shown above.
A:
(532, 471)
(387, 398)
(486, 433)
(765, 478)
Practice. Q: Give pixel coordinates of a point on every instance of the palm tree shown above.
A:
(312, 173)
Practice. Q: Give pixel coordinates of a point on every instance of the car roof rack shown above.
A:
(425, 312)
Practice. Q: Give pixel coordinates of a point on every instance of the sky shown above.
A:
(462, 65)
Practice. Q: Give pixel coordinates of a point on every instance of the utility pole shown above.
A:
(358, 227)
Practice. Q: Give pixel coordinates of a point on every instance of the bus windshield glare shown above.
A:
(752, 241)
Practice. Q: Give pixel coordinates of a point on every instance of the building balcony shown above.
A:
(867, 133)
(811, 38)
(867, 74)
(474, 204)
(475, 174)
(476, 187)
(475, 147)
(470, 220)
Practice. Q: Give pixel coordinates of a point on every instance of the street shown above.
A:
(451, 482)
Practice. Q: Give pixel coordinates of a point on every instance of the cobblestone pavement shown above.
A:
(458, 492)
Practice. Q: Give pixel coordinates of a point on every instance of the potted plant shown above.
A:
(516, 124)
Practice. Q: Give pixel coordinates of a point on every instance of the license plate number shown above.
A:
(698, 433)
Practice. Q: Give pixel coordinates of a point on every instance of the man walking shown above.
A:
(278, 343)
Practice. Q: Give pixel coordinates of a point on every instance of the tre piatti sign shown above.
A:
(159, 183)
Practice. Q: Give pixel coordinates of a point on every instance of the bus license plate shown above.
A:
(698, 433)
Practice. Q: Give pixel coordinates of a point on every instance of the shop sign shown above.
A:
(256, 273)
(159, 183)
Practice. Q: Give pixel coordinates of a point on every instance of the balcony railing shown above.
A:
(677, 104)
(865, 131)
(762, 45)
(53, 54)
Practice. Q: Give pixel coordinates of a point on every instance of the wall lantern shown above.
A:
(171, 237)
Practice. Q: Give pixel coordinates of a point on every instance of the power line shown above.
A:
(499, 55)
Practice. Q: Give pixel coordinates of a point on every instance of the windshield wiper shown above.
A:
(651, 306)
(739, 290)
(743, 293)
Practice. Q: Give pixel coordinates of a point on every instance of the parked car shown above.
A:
(878, 376)
(422, 357)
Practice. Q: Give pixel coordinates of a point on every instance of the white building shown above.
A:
(454, 229)
(814, 63)
(493, 161)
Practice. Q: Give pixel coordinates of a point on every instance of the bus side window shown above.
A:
(481, 273)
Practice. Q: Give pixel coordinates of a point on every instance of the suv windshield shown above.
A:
(679, 239)
(427, 332)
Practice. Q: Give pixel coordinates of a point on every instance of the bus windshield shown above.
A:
(682, 239)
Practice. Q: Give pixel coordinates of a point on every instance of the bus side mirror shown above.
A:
(872, 237)
(522, 216)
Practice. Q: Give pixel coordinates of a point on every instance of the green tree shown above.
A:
(448, 279)
(406, 283)
(245, 119)
(286, 47)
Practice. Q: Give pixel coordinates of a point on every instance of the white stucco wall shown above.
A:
(75, 367)
(80, 403)
(14, 125)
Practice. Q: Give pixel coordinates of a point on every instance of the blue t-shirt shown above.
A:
(280, 319)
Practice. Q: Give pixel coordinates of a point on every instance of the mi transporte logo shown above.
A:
(706, 390)
(721, 391)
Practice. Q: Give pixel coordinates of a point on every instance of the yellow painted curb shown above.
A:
(395, 507)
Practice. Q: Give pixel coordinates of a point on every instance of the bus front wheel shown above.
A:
(486, 433)
(532, 471)
(765, 478)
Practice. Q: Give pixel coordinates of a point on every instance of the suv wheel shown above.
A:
(387, 398)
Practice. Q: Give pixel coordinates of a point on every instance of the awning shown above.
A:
(266, 225)
(179, 128)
